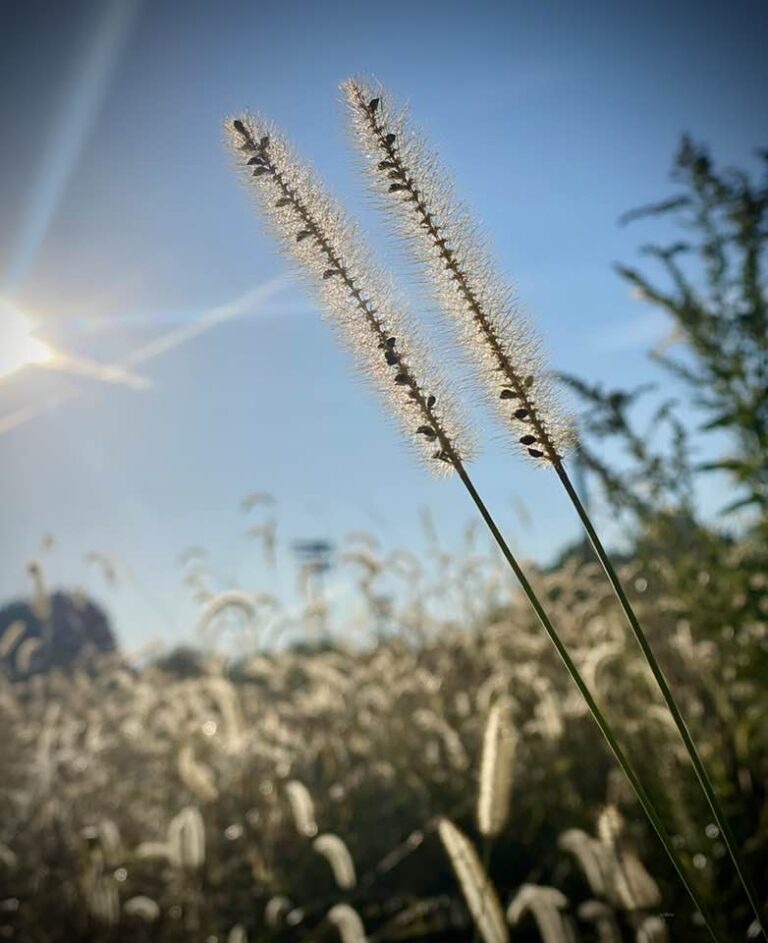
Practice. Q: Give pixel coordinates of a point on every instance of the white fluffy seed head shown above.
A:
(630, 884)
(196, 776)
(110, 842)
(336, 853)
(602, 917)
(302, 807)
(153, 849)
(610, 826)
(228, 599)
(496, 772)
(277, 907)
(186, 839)
(546, 905)
(237, 934)
(591, 856)
(347, 921)
(145, 908)
(475, 885)
(355, 295)
(103, 899)
(653, 929)
(417, 194)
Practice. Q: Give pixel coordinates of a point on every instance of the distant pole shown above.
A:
(315, 559)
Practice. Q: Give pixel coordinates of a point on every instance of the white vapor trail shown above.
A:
(84, 367)
(237, 307)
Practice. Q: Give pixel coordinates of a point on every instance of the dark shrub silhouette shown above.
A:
(74, 626)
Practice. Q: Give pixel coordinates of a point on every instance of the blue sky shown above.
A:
(122, 221)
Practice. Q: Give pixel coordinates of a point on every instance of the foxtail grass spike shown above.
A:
(495, 772)
(348, 923)
(499, 337)
(475, 885)
(302, 807)
(327, 249)
(336, 853)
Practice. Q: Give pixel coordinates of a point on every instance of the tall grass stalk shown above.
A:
(319, 236)
(599, 718)
(498, 337)
(690, 746)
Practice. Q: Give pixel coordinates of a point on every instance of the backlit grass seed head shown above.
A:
(142, 907)
(545, 904)
(110, 842)
(196, 776)
(591, 856)
(653, 930)
(348, 923)
(326, 248)
(102, 899)
(610, 826)
(496, 772)
(186, 839)
(475, 885)
(632, 887)
(26, 653)
(602, 917)
(229, 599)
(501, 340)
(13, 634)
(277, 907)
(153, 849)
(302, 807)
(336, 853)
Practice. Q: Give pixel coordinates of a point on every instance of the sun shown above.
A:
(19, 347)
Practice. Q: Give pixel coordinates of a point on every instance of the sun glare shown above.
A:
(18, 346)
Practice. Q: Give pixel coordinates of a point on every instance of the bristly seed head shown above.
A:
(497, 334)
(324, 243)
(493, 796)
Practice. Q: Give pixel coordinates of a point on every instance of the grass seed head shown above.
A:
(326, 248)
(336, 853)
(475, 885)
(417, 194)
(496, 772)
(347, 921)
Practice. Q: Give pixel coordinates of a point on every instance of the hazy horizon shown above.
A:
(125, 226)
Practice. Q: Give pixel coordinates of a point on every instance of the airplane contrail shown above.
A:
(84, 367)
(235, 308)
(218, 315)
